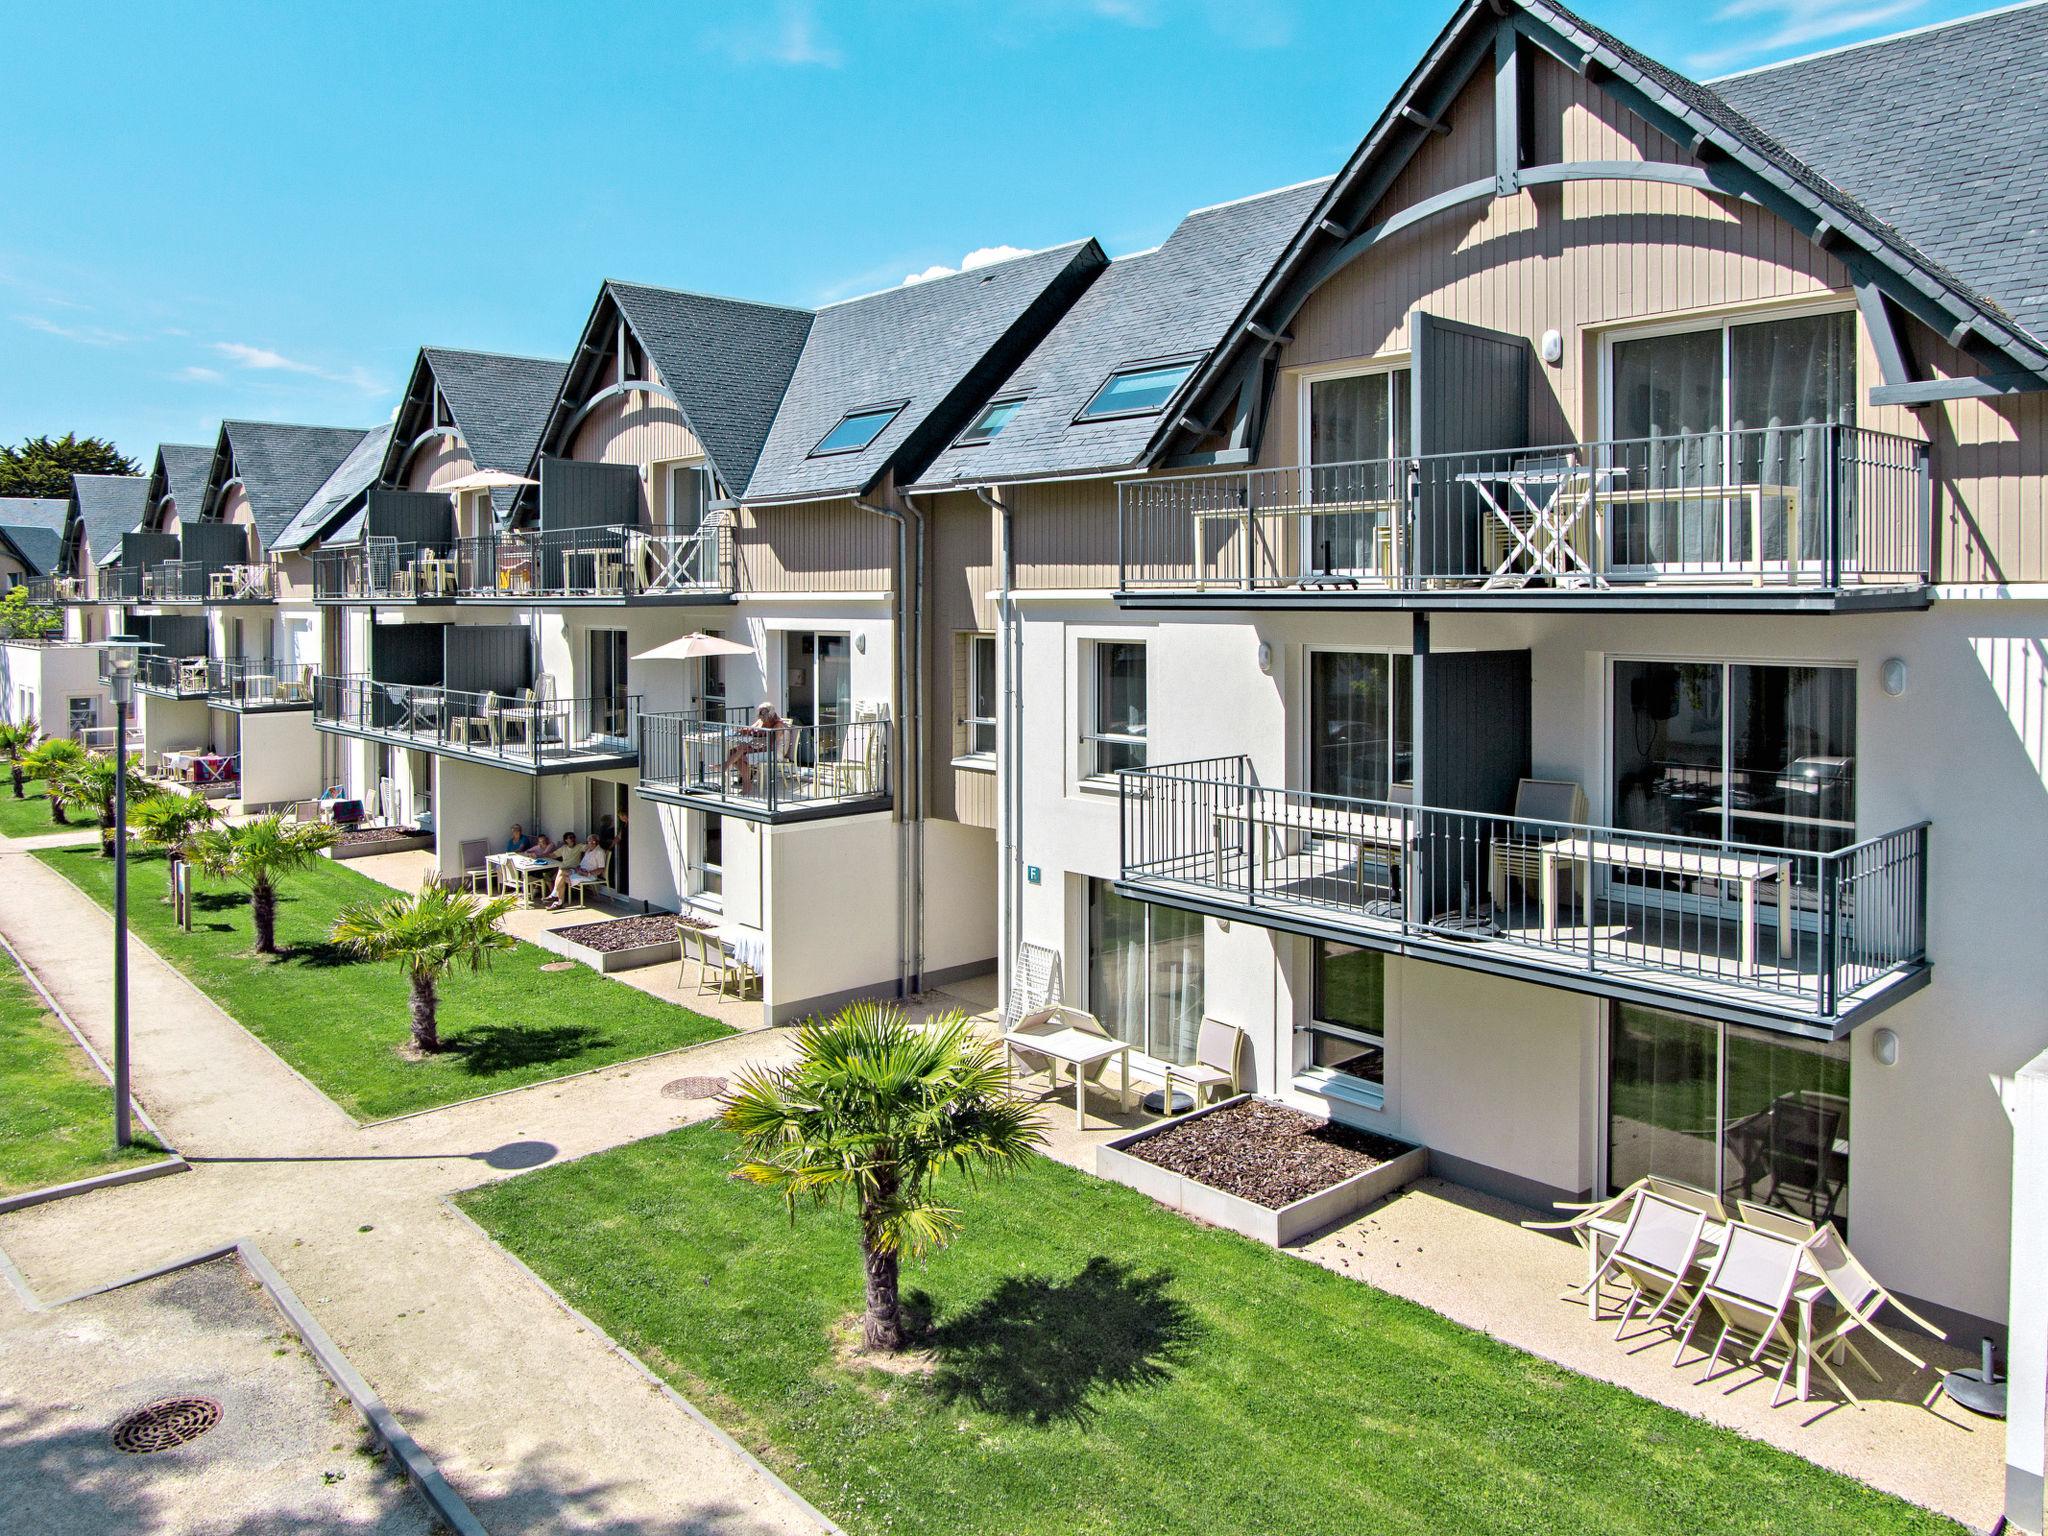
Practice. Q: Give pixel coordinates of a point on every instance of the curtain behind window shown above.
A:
(1667, 412)
(1788, 378)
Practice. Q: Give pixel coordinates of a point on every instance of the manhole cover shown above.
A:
(693, 1088)
(559, 965)
(166, 1425)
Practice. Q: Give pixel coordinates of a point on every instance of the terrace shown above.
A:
(596, 565)
(526, 730)
(1803, 518)
(261, 684)
(1810, 942)
(174, 677)
(726, 763)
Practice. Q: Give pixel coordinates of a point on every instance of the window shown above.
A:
(1145, 973)
(710, 863)
(1136, 391)
(689, 493)
(1736, 407)
(1736, 752)
(980, 719)
(1752, 1114)
(1115, 736)
(856, 430)
(1361, 734)
(713, 673)
(1356, 426)
(992, 420)
(1347, 1026)
(607, 692)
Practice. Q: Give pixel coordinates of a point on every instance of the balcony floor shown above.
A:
(1670, 597)
(1643, 952)
(555, 758)
(800, 804)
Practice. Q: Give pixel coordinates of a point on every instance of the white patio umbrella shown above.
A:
(694, 645)
(485, 480)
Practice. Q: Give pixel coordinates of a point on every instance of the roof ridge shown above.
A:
(296, 426)
(929, 282)
(1253, 197)
(510, 357)
(1874, 42)
(705, 293)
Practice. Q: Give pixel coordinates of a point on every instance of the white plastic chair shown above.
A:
(1219, 1051)
(1653, 1256)
(1749, 1287)
(1859, 1296)
(1034, 984)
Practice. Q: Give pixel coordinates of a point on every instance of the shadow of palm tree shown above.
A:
(488, 1049)
(319, 955)
(1044, 1350)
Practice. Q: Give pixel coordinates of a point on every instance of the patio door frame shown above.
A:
(1384, 367)
(1723, 320)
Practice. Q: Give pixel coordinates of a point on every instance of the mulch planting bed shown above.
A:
(1265, 1152)
(623, 933)
(350, 836)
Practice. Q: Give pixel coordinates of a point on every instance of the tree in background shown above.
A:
(15, 741)
(23, 619)
(92, 778)
(43, 466)
(51, 760)
(173, 823)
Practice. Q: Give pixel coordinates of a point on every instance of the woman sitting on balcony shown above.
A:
(756, 743)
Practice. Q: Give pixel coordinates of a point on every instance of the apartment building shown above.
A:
(34, 670)
(1541, 631)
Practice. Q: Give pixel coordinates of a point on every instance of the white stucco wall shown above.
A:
(280, 757)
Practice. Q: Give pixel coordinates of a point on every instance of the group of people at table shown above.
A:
(534, 854)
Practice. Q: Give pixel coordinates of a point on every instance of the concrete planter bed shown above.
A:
(1265, 1142)
(361, 843)
(624, 943)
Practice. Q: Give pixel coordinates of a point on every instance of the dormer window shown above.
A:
(1137, 391)
(994, 417)
(857, 429)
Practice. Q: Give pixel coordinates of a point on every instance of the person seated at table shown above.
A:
(542, 847)
(592, 861)
(755, 742)
(518, 842)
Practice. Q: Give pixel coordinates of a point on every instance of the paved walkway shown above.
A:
(536, 1423)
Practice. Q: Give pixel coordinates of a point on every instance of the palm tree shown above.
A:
(15, 740)
(428, 933)
(173, 823)
(256, 854)
(48, 762)
(90, 780)
(870, 1113)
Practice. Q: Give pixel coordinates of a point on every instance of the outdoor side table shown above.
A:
(1080, 1050)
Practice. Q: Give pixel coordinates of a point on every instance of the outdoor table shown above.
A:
(1079, 1049)
(1742, 870)
(514, 871)
(1554, 499)
(1366, 832)
(746, 945)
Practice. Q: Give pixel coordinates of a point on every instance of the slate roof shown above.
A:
(1942, 131)
(727, 362)
(938, 346)
(280, 468)
(1176, 301)
(333, 500)
(34, 526)
(180, 472)
(500, 405)
(108, 506)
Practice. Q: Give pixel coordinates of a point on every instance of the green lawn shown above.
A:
(30, 815)
(1102, 1365)
(342, 1022)
(56, 1110)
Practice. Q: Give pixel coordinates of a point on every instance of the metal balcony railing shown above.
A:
(260, 683)
(1813, 507)
(730, 760)
(173, 677)
(382, 569)
(518, 728)
(595, 563)
(1799, 931)
(175, 581)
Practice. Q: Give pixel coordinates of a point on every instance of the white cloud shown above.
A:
(788, 35)
(264, 360)
(84, 335)
(200, 375)
(1793, 25)
(985, 256)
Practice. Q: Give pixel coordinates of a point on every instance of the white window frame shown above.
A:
(1329, 1082)
(1306, 690)
(1305, 382)
(970, 720)
(667, 471)
(1091, 738)
(706, 879)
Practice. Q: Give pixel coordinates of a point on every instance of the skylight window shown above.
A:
(1137, 391)
(856, 430)
(992, 420)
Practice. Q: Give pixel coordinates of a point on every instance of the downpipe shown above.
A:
(1009, 741)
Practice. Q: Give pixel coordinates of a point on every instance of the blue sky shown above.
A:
(262, 210)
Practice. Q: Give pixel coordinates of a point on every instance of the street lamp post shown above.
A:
(122, 654)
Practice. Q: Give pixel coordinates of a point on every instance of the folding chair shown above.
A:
(475, 873)
(1219, 1049)
(1034, 984)
(1856, 1292)
(1654, 1255)
(1771, 1219)
(1749, 1287)
(580, 883)
(1594, 1226)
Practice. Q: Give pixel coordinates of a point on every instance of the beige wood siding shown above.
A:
(438, 462)
(974, 797)
(1590, 257)
(1065, 534)
(638, 429)
(959, 557)
(814, 546)
(234, 508)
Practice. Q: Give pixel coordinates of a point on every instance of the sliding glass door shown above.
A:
(1747, 1113)
(1361, 732)
(1145, 973)
(1357, 445)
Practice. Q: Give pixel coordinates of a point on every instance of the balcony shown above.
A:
(525, 732)
(596, 565)
(383, 570)
(1802, 941)
(173, 677)
(199, 581)
(726, 763)
(250, 686)
(1813, 518)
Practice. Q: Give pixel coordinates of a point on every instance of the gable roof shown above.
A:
(499, 405)
(1735, 157)
(179, 472)
(104, 507)
(1942, 132)
(1172, 302)
(936, 348)
(338, 495)
(34, 546)
(279, 466)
